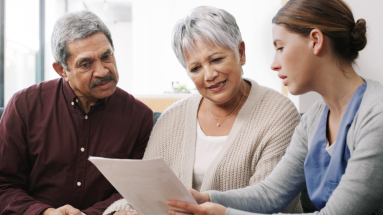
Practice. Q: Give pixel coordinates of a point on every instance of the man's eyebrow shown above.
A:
(107, 52)
(85, 59)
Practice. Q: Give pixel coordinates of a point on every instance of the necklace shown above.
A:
(219, 124)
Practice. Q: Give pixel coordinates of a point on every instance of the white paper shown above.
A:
(146, 184)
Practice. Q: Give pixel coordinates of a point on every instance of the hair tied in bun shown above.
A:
(358, 35)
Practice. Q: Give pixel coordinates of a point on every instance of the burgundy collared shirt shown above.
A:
(46, 140)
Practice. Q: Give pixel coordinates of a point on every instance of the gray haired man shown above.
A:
(49, 130)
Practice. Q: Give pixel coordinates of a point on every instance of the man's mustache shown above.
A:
(101, 80)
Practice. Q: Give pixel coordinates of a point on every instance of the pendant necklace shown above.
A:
(219, 124)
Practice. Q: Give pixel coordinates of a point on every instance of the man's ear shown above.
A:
(316, 41)
(60, 70)
(242, 53)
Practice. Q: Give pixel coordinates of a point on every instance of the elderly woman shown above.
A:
(234, 132)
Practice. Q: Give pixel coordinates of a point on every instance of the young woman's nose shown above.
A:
(275, 65)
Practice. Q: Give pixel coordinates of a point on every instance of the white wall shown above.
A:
(370, 58)
(154, 63)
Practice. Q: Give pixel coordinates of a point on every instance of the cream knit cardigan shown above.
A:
(260, 135)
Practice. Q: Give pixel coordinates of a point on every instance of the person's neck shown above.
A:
(337, 88)
(223, 110)
(86, 103)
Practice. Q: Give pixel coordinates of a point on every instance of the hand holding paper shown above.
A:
(146, 184)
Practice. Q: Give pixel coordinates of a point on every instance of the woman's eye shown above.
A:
(217, 59)
(195, 69)
(279, 48)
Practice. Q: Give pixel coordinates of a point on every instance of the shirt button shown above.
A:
(86, 116)
(78, 183)
(72, 103)
(76, 100)
(82, 149)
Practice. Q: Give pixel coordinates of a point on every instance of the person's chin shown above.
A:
(105, 93)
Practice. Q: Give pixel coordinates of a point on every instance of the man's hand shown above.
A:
(198, 196)
(64, 210)
(207, 208)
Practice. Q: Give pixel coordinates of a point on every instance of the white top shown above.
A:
(329, 148)
(207, 149)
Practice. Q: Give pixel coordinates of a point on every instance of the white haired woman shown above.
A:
(234, 132)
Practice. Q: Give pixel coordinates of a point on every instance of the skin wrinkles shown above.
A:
(92, 71)
(211, 65)
(217, 75)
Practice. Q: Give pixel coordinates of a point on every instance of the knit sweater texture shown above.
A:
(257, 141)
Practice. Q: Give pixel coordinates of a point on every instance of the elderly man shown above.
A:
(49, 130)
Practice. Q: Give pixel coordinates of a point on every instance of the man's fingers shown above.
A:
(69, 210)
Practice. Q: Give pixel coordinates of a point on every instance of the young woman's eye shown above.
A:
(279, 48)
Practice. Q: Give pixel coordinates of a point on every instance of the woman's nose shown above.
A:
(210, 73)
(275, 65)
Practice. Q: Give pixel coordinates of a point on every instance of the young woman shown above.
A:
(337, 149)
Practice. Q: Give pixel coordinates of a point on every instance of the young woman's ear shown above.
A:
(316, 41)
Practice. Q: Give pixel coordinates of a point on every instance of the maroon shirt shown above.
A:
(46, 140)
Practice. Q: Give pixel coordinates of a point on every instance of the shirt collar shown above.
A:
(72, 97)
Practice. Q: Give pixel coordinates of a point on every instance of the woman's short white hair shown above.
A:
(205, 24)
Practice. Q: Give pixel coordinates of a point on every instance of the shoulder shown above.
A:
(36, 89)
(372, 101)
(37, 92)
(177, 111)
(369, 118)
(128, 99)
(272, 103)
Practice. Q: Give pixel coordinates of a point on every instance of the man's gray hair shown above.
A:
(205, 24)
(73, 26)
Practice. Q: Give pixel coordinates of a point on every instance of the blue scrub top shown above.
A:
(322, 171)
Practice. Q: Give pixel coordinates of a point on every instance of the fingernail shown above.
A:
(170, 202)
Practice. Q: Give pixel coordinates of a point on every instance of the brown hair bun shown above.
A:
(333, 17)
(358, 35)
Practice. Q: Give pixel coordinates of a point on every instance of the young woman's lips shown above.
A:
(284, 79)
(218, 86)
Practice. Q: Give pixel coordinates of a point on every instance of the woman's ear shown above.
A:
(316, 41)
(241, 52)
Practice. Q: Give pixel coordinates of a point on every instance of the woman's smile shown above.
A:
(218, 86)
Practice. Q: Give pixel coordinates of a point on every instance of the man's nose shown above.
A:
(100, 70)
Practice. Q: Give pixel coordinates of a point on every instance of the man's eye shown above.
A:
(85, 65)
(106, 57)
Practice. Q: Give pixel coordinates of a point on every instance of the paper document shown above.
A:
(146, 184)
